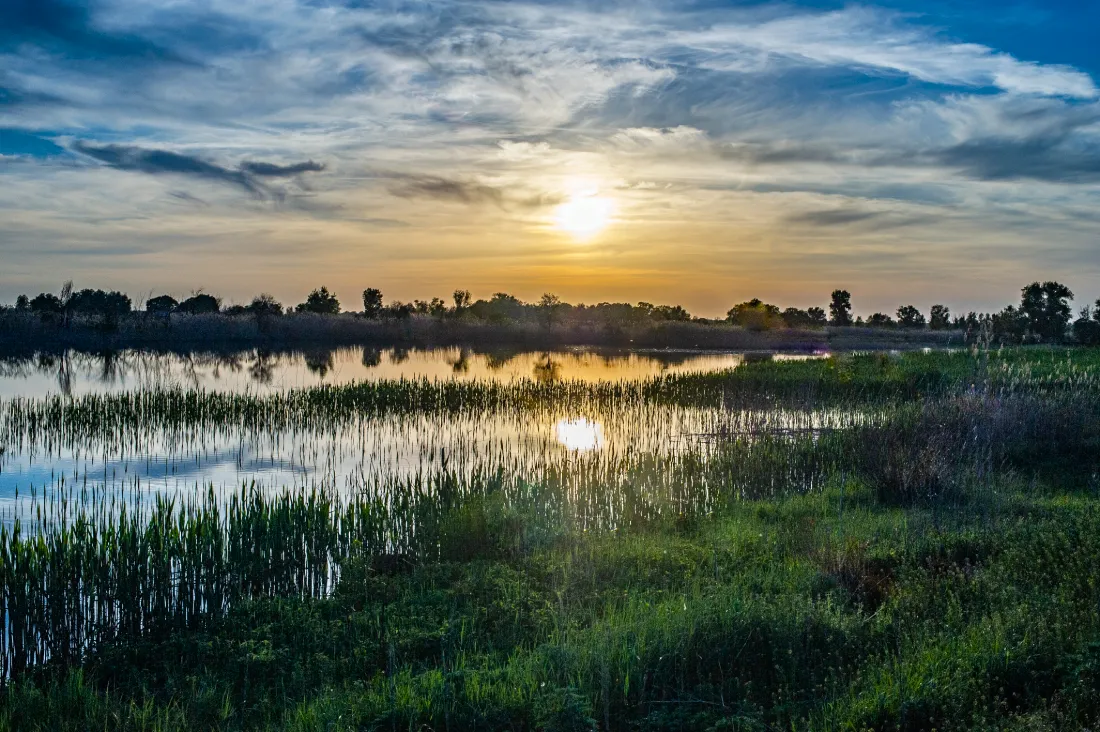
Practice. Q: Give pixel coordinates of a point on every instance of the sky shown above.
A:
(700, 153)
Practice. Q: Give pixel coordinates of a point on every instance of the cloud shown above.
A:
(447, 189)
(1049, 159)
(162, 162)
(832, 217)
(271, 170)
(469, 192)
(876, 39)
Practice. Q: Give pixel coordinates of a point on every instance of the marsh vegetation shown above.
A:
(865, 542)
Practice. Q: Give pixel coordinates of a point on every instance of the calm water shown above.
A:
(255, 371)
(375, 450)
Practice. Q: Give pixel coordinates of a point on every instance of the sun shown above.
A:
(584, 215)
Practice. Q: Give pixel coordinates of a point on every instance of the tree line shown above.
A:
(1043, 315)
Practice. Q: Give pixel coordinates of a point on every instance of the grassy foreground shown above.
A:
(943, 572)
(817, 613)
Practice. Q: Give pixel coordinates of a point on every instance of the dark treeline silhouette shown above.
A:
(1043, 315)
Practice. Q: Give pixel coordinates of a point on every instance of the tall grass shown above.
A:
(775, 616)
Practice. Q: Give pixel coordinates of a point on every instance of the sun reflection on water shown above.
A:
(579, 434)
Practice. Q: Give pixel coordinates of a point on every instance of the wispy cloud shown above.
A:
(165, 162)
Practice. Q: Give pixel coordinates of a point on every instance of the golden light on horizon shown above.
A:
(584, 215)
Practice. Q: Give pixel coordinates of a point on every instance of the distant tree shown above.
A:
(910, 317)
(1086, 329)
(674, 313)
(437, 307)
(320, 301)
(372, 303)
(755, 314)
(399, 310)
(880, 320)
(46, 304)
(235, 311)
(550, 306)
(161, 305)
(98, 302)
(794, 318)
(265, 305)
(1046, 309)
(940, 318)
(840, 308)
(809, 318)
(22, 303)
(462, 300)
(200, 304)
(1009, 326)
(500, 309)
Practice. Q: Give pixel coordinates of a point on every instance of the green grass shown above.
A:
(933, 565)
(790, 614)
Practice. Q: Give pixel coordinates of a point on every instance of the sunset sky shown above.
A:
(696, 153)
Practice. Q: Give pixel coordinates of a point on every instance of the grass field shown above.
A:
(926, 557)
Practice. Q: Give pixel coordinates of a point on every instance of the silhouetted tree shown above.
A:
(549, 308)
(674, 313)
(940, 318)
(462, 300)
(98, 302)
(755, 315)
(399, 310)
(161, 305)
(794, 318)
(22, 303)
(1009, 326)
(265, 305)
(200, 304)
(910, 317)
(809, 318)
(46, 304)
(320, 301)
(1046, 309)
(372, 303)
(1086, 329)
(501, 308)
(880, 320)
(840, 308)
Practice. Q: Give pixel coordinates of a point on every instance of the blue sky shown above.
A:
(712, 151)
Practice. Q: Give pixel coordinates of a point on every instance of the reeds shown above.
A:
(88, 562)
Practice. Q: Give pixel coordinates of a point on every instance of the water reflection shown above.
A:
(373, 357)
(75, 372)
(546, 369)
(579, 435)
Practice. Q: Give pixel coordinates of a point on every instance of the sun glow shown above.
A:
(584, 215)
(579, 435)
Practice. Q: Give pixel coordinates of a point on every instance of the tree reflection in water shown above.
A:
(546, 369)
(371, 357)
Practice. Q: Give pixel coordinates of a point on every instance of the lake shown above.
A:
(146, 456)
